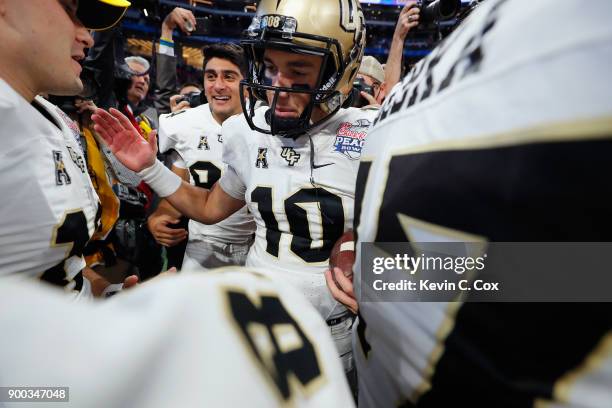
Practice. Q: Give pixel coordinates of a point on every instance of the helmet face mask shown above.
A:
(280, 28)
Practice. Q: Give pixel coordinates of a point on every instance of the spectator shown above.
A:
(145, 116)
(407, 20)
(177, 102)
(373, 75)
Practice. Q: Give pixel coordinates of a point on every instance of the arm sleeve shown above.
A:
(234, 154)
(166, 80)
(231, 183)
(165, 136)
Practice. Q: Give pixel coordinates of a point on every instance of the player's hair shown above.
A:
(227, 51)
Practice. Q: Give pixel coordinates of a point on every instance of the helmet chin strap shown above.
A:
(285, 125)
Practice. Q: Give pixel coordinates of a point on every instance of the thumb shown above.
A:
(130, 281)
(153, 140)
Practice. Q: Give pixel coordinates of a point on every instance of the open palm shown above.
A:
(128, 146)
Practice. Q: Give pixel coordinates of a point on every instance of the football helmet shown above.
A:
(332, 29)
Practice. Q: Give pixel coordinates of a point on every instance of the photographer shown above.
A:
(370, 83)
(189, 96)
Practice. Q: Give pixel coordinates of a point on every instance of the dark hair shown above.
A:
(189, 83)
(227, 51)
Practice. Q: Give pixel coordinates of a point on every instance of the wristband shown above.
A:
(161, 179)
(167, 43)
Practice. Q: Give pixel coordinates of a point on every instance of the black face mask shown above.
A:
(288, 126)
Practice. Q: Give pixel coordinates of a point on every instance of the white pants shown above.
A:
(208, 255)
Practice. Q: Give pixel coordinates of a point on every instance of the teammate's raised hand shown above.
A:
(126, 143)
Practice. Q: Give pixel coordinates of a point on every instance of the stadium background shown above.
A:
(225, 20)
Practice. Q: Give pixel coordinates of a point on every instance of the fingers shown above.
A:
(122, 122)
(184, 19)
(410, 5)
(171, 233)
(371, 100)
(338, 294)
(345, 283)
(153, 142)
(169, 243)
(170, 272)
(108, 123)
(181, 106)
(101, 127)
(173, 100)
(130, 281)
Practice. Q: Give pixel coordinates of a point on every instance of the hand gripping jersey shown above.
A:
(504, 132)
(302, 203)
(196, 136)
(232, 338)
(49, 206)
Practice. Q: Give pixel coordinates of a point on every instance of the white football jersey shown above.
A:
(232, 338)
(196, 136)
(301, 203)
(503, 133)
(49, 205)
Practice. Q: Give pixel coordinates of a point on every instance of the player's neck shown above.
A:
(19, 84)
(221, 118)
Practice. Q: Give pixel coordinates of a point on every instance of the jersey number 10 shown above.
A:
(331, 215)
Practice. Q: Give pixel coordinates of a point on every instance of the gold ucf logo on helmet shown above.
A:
(290, 155)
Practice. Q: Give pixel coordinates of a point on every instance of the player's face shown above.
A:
(51, 41)
(140, 83)
(222, 88)
(291, 70)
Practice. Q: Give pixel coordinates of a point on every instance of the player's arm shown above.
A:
(138, 154)
(160, 221)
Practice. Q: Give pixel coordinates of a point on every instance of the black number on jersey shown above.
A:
(331, 214)
(277, 341)
(205, 174)
(72, 231)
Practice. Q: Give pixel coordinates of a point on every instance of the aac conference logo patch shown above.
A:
(350, 138)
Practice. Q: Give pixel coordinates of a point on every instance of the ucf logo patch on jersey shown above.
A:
(262, 158)
(61, 175)
(290, 155)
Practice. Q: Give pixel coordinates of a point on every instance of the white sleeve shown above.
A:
(234, 155)
(231, 183)
(165, 135)
(175, 159)
(172, 342)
